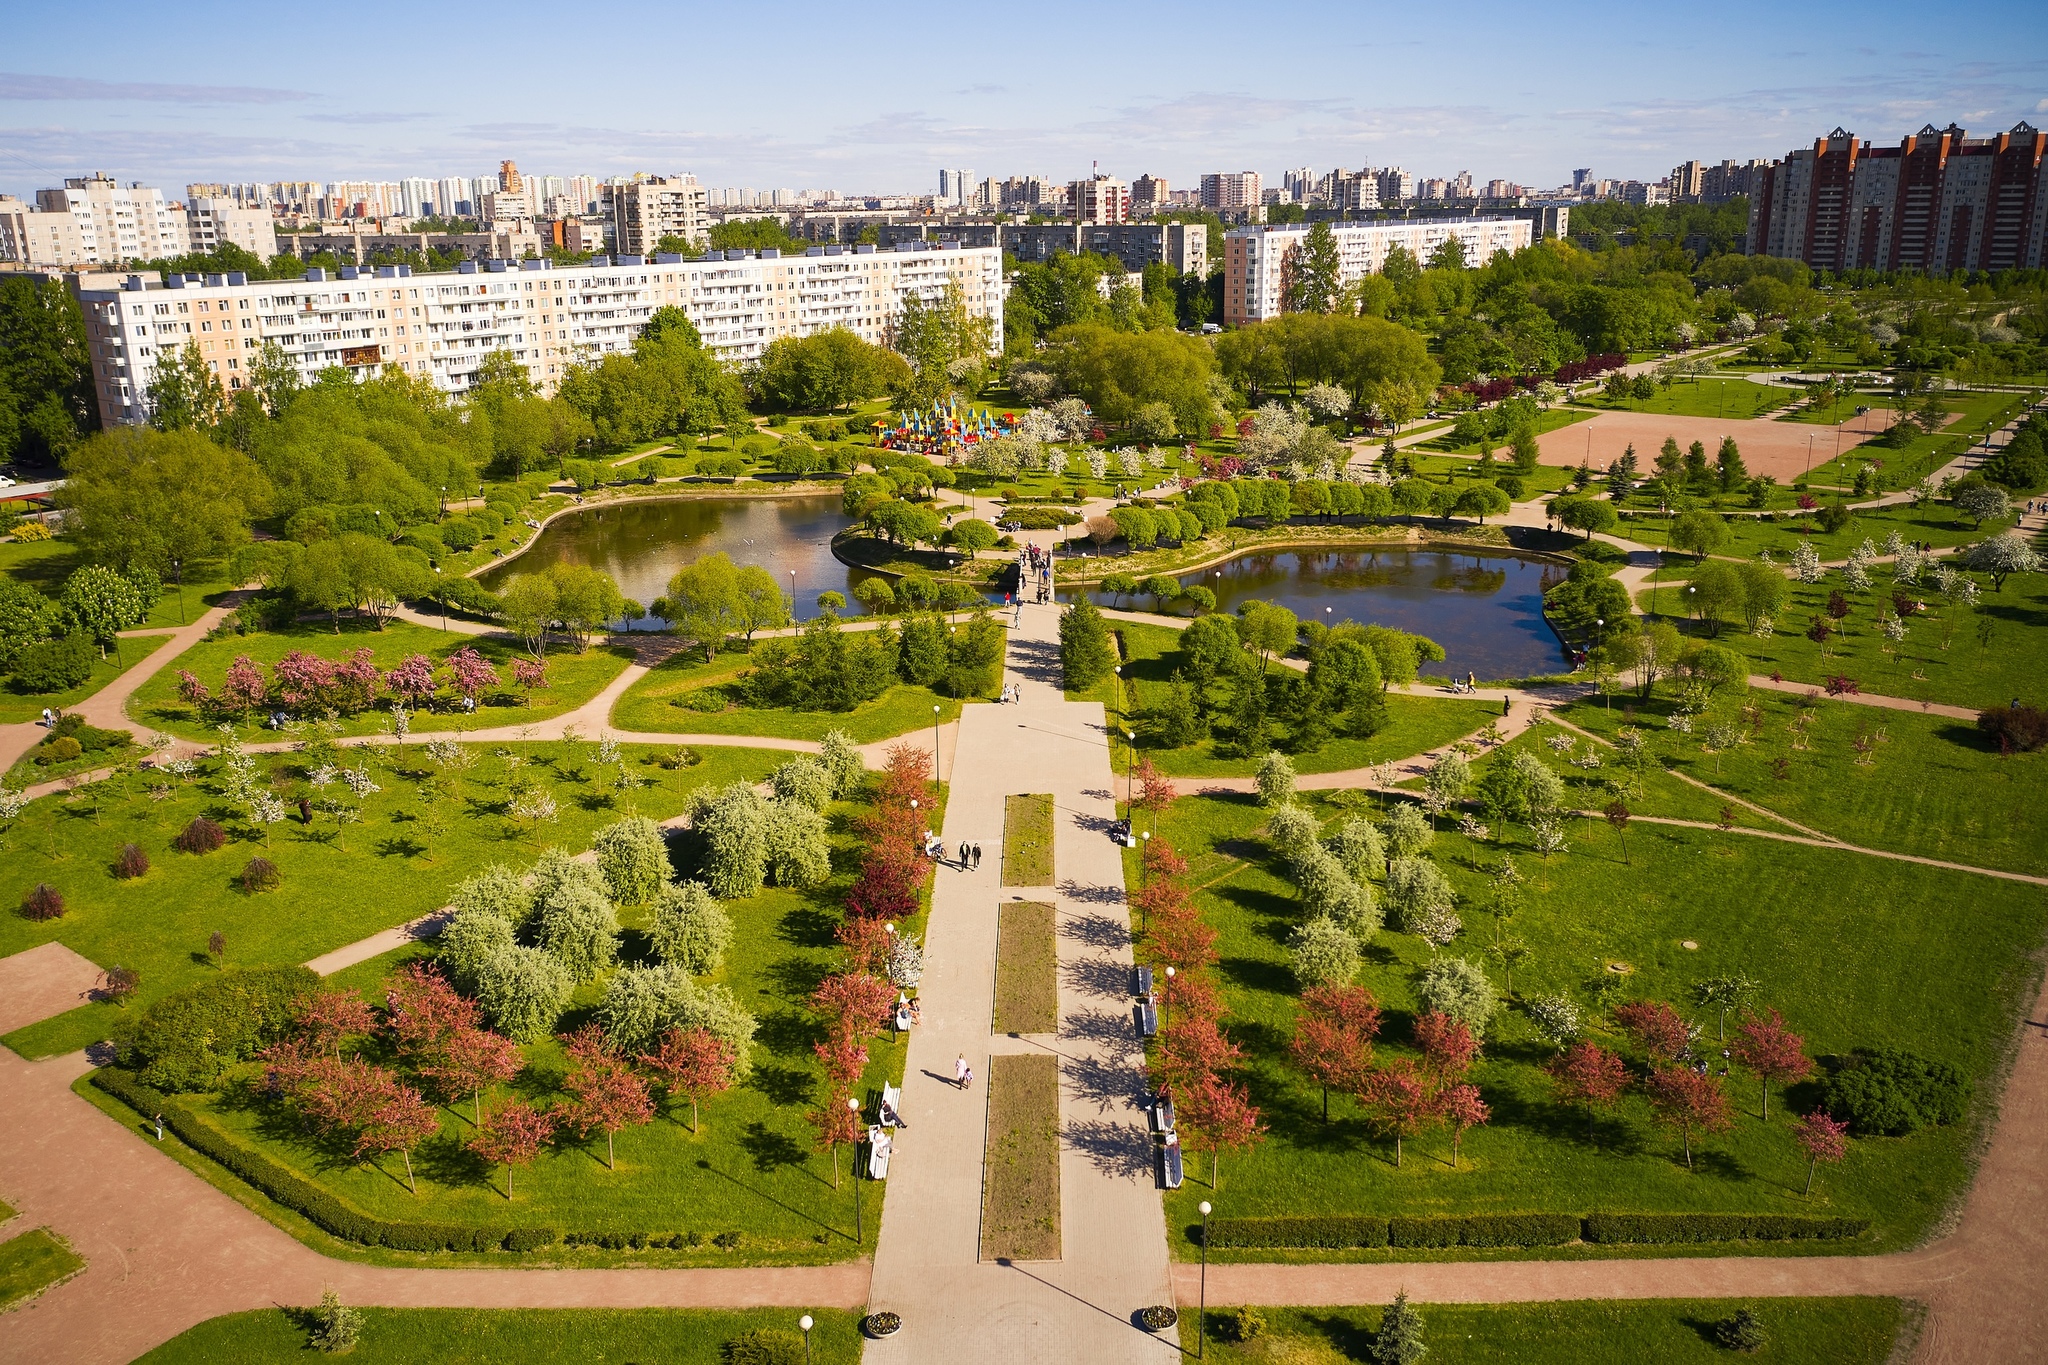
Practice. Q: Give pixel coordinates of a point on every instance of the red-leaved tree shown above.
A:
(1655, 1026)
(1333, 1037)
(1162, 861)
(1768, 1050)
(1220, 1116)
(854, 1004)
(1689, 1101)
(1155, 790)
(471, 1060)
(1589, 1075)
(694, 1063)
(470, 674)
(836, 1123)
(328, 1017)
(866, 941)
(402, 1122)
(1182, 941)
(1192, 1050)
(1397, 1097)
(843, 1059)
(511, 1136)
(1462, 1108)
(605, 1094)
(426, 1011)
(1448, 1047)
(1823, 1138)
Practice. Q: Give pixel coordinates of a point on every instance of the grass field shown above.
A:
(1937, 525)
(340, 884)
(1705, 398)
(1855, 951)
(1151, 656)
(1027, 841)
(18, 706)
(1850, 1331)
(656, 703)
(1020, 1194)
(481, 1336)
(1931, 786)
(1027, 969)
(1550, 419)
(32, 1262)
(45, 564)
(572, 678)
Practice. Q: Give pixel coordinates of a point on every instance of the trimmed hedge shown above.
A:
(1666, 1228)
(1324, 1230)
(1484, 1230)
(1341, 1232)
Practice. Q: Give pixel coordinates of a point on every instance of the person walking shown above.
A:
(963, 1075)
(963, 855)
(977, 855)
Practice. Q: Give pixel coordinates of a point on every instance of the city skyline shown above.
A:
(281, 100)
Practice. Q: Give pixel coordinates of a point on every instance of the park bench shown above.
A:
(1145, 1015)
(880, 1148)
(1160, 1114)
(892, 1104)
(1141, 981)
(1169, 1166)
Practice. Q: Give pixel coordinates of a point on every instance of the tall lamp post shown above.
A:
(1145, 867)
(1202, 1304)
(792, 592)
(935, 743)
(1130, 760)
(805, 1324)
(859, 1233)
(1164, 1003)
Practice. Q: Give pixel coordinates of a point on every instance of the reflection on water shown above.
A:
(1485, 610)
(642, 544)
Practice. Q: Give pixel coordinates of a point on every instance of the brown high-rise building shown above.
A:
(1937, 202)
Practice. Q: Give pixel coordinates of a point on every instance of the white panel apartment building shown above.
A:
(1257, 260)
(108, 223)
(442, 326)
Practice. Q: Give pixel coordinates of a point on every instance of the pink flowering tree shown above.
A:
(356, 682)
(1823, 1138)
(470, 674)
(302, 679)
(1461, 1108)
(243, 688)
(193, 692)
(529, 674)
(414, 680)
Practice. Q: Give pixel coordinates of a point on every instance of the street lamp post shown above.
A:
(1145, 867)
(935, 743)
(859, 1233)
(1130, 760)
(1202, 1304)
(1166, 1002)
(178, 574)
(1117, 671)
(792, 592)
(805, 1324)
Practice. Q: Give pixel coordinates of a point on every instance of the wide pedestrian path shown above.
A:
(928, 1265)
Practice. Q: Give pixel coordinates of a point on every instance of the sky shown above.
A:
(877, 99)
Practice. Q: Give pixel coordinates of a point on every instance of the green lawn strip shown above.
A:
(1847, 1331)
(19, 706)
(572, 678)
(1027, 841)
(507, 1336)
(1550, 419)
(1027, 968)
(379, 875)
(45, 564)
(1937, 525)
(1844, 945)
(660, 701)
(751, 1169)
(1993, 653)
(1733, 398)
(1933, 786)
(1020, 1181)
(1542, 481)
(33, 1262)
(1151, 656)
(1654, 792)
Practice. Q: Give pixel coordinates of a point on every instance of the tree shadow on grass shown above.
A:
(772, 1151)
(784, 1085)
(705, 1165)
(809, 926)
(788, 1033)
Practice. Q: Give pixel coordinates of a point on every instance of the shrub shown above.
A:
(131, 862)
(531, 1239)
(1890, 1092)
(633, 857)
(2021, 728)
(336, 1326)
(186, 1040)
(62, 749)
(201, 836)
(472, 937)
(1334, 1231)
(260, 874)
(728, 1241)
(1650, 1229)
(1248, 1325)
(1485, 1230)
(43, 902)
(1741, 1333)
(53, 665)
(460, 533)
(766, 1346)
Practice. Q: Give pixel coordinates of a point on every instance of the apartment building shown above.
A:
(1149, 194)
(1939, 201)
(1184, 246)
(1233, 190)
(92, 221)
(645, 211)
(1100, 199)
(213, 223)
(1258, 261)
(499, 241)
(441, 326)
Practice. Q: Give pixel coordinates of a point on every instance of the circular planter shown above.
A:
(1158, 1318)
(879, 1325)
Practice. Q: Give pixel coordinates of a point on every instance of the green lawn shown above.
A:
(1858, 1331)
(1705, 398)
(572, 678)
(480, 1336)
(1414, 724)
(1989, 659)
(33, 1262)
(19, 706)
(45, 564)
(1908, 464)
(1027, 841)
(1932, 787)
(656, 704)
(1852, 949)
(1937, 524)
(378, 875)
(1550, 419)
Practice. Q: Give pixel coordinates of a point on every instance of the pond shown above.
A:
(1485, 610)
(642, 544)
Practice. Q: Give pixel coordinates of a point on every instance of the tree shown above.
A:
(1589, 1075)
(1770, 1051)
(512, 1136)
(330, 1016)
(1698, 533)
(604, 1093)
(425, 1011)
(2001, 556)
(160, 500)
(1333, 1035)
(689, 928)
(1218, 1115)
(1687, 1100)
(1448, 1047)
(1085, 653)
(1481, 500)
(1313, 272)
(103, 604)
(1656, 1028)
(633, 857)
(1324, 953)
(1822, 1138)
(402, 1122)
(1728, 466)
(523, 991)
(1589, 515)
(46, 388)
(836, 1123)
(336, 1326)
(1982, 502)
(1461, 1108)
(694, 1062)
(184, 393)
(1722, 993)
(1399, 1340)
(1275, 779)
(470, 1061)
(1617, 813)
(1398, 1098)
(854, 1004)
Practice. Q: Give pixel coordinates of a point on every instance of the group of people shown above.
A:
(935, 849)
(1009, 693)
(1034, 574)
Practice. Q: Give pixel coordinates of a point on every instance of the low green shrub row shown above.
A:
(1342, 1231)
(1664, 1228)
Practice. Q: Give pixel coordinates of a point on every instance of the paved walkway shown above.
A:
(927, 1262)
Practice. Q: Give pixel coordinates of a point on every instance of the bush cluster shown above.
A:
(1651, 1229)
(1889, 1092)
(1342, 1231)
(2020, 728)
(201, 836)
(43, 902)
(130, 862)
(1485, 1230)
(186, 1040)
